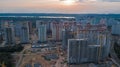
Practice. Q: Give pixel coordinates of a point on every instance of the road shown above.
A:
(58, 63)
(114, 58)
(115, 62)
(21, 56)
(3, 43)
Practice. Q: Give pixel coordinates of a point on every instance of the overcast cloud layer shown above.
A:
(97, 0)
(56, 6)
(102, 0)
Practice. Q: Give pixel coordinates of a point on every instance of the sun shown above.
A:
(69, 2)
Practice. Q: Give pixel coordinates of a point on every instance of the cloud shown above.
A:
(112, 0)
(55, 6)
(95, 0)
(102, 0)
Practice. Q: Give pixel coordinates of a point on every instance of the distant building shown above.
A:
(2, 25)
(56, 31)
(80, 51)
(17, 29)
(30, 27)
(9, 35)
(24, 33)
(92, 32)
(42, 31)
(1, 37)
(116, 29)
(66, 34)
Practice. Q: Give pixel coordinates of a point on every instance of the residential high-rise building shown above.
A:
(9, 35)
(66, 34)
(24, 33)
(116, 29)
(1, 37)
(30, 27)
(77, 50)
(17, 29)
(2, 25)
(21, 30)
(42, 31)
(90, 31)
(80, 51)
(56, 31)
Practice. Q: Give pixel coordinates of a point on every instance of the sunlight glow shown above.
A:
(69, 2)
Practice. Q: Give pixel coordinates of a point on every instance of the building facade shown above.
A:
(24, 33)
(80, 51)
(116, 29)
(42, 31)
(66, 34)
(9, 35)
(56, 31)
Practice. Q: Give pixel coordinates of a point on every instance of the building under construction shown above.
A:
(80, 51)
(91, 44)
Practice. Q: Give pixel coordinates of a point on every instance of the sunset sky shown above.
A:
(60, 6)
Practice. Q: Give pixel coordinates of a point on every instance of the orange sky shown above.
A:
(56, 6)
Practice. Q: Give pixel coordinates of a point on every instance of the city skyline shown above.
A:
(60, 6)
(32, 41)
(59, 33)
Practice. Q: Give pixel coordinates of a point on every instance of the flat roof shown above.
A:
(94, 45)
(78, 39)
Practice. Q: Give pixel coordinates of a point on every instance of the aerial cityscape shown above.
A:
(60, 33)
